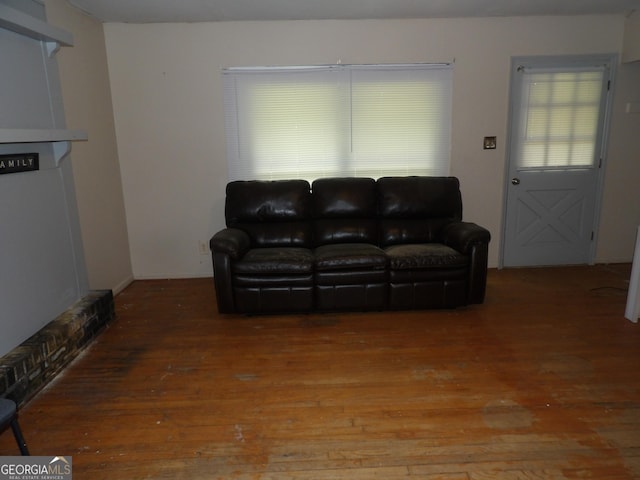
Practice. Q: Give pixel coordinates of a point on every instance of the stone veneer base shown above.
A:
(29, 367)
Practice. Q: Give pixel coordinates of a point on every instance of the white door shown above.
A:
(557, 122)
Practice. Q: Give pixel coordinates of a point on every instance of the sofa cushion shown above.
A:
(344, 197)
(337, 230)
(349, 256)
(273, 213)
(420, 197)
(424, 256)
(344, 210)
(415, 209)
(270, 261)
(395, 231)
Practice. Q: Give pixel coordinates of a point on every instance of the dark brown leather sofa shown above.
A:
(347, 244)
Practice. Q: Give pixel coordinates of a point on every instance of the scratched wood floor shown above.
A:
(540, 382)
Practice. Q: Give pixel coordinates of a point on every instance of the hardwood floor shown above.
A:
(540, 382)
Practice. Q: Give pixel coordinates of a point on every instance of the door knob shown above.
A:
(515, 181)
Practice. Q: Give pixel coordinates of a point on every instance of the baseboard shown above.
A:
(122, 285)
(174, 276)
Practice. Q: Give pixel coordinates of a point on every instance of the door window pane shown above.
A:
(559, 119)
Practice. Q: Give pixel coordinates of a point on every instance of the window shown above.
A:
(312, 122)
(559, 114)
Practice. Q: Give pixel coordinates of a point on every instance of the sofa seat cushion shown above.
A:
(350, 256)
(275, 261)
(425, 256)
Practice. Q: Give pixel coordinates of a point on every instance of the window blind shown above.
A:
(313, 122)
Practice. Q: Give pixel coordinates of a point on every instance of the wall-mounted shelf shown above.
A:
(18, 22)
(60, 139)
(31, 135)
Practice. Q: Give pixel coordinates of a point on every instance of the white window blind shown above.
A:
(312, 122)
(559, 118)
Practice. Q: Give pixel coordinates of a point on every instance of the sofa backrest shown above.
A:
(414, 209)
(344, 210)
(274, 213)
(389, 211)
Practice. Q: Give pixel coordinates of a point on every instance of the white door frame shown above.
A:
(549, 61)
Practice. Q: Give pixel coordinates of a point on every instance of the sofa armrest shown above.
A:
(226, 246)
(471, 240)
(463, 236)
(230, 241)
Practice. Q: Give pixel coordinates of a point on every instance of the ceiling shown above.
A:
(153, 11)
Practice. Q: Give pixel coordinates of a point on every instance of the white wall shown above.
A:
(631, 50)
(168, 104)
(86, 95)
(621, 201)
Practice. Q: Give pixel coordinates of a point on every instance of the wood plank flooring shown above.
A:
(540, 382)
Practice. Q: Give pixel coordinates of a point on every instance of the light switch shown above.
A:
(490, 143)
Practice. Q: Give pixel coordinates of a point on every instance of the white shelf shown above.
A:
(32, 135)
(18, 22)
